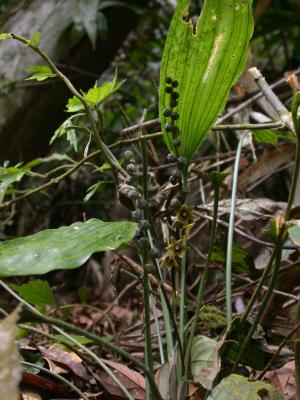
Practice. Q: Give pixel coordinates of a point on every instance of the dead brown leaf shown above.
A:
(284, 380)
(67, 359)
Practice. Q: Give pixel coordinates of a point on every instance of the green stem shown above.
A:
(106, 152)
(57, 376)
(200, 294)
(101, 341)
(231, 229)
(266, 299)
(256, 293)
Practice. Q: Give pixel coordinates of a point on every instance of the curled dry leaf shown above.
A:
(10, 373)
(66, 359)
(132, 380)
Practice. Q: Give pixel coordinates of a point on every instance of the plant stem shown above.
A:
(105, 150)
(231, 229)
(297, 353)
(200, 294)
(102, 341)
(266, 299)
(57, 376)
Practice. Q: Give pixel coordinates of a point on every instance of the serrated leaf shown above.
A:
(34, 40)
(63, 248)
(10, 374)
(4, 36)
(9, 176)
(205, 361)
(40, 72)
(36, 292)
(237, 387)
(206, 61)
(96, 95)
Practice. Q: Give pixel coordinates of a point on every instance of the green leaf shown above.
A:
(81, 339)
(294, 234)
(96, 95)
(34, 41)
(36, 292)
(9, 176)
(92, 190)
(10, 375)
(237, 387)
(257, 354)
(242, 261)
(206, 60)
(40, 72)
(63, 248)
(4, 36)
(205, 361)
(86, 16)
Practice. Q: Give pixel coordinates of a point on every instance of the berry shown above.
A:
(171, 158)
(167, 112)
(168, 89)
(143, 243)
(154, 252)
(143, 203)
(144, 225)
(173, 180)
(128, 154)
(176, 143)
(175, 204)
(169, 127)
(174, 84)
(175, 95)
(137, 215)
(174, 115)
(131, 168)
(169, 80)
(173, 103)
(176, 173)
(182, 160)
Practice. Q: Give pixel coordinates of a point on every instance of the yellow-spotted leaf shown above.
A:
(203, 62)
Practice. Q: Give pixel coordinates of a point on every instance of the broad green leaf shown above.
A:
(34, 40)
(4, 36)
(51, 158)
(40, 72)
(237, 387)
(205, 361)
(63, 248)
(96, 95)
(294, 234)
(36, 292)
(206, 60)
(10, 374)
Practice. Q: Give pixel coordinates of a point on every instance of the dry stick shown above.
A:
(246, 235)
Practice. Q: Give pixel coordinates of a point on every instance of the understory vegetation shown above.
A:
(150, 227)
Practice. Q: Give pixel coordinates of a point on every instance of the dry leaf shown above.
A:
(10, 373)
(67, 359)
